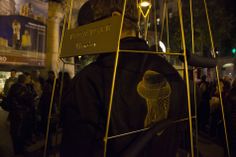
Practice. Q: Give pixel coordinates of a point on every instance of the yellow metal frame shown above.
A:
(186, 77)
(145, 16)
(218, 77)
(163, 19)
(113, 82)
(194, 83)
(184, 54)
(141, 10)
(167, 27)
(155, 27)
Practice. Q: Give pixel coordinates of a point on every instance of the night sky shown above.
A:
(231, 4)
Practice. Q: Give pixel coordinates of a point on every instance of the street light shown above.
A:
(144, 7)
(145, 4)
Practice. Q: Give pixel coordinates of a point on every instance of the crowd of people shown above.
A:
(210, 112)
(27, 98)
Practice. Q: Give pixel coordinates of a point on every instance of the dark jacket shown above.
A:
(231, 118)
(20, 101)
(86, 105)
(45, 99)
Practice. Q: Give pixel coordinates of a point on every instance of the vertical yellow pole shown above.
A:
(167, 28)
(163, 20)
(113, 83)
(54, 82)
(70, 14)
(218, 78)
(155, 25)
(49, 117)
(146, 27)
(186, 77)
(194, 83)
(139, 18)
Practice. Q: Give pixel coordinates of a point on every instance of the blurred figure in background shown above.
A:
(231, 117)
(64, 82)
(35, 74)
(20, 102)
(204, 107)
(37, 82)
(31, 119)
(9, 82)
(44, 102)
(44, 106)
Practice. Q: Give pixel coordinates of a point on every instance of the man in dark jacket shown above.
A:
(147, 90)
(9, 82)
(44, 102)
(231, 117)
(20, 101)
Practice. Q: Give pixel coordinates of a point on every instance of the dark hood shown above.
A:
(129, 43)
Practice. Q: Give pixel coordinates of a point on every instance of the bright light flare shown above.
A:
(162, 45)
(227, 65)
(145, 4)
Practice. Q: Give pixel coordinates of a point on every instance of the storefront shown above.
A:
(22, 37)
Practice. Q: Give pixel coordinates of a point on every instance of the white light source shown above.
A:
(162, 45)
(227, 65)
(145, 4)
(158, 21)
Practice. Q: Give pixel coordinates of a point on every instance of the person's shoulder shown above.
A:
(233, 92)
(15, 86)
(88, 73)
(90, 69)
(7, 79)
(12, 79)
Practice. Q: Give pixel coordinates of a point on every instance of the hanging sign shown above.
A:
(98, 37)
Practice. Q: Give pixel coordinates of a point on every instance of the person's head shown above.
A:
(35, 74)
(22, 79)
(94, 10)
(67, 76)
(13, 73)
(203, 78)
(86, 14)
(26, 32)
(28, 77)
(131, 15)
(51, 75)
(14, 22)
(227, 78)
(227, 85)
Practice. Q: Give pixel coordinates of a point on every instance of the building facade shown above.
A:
(7, 7)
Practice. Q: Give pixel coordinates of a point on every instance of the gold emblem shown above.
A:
(155, 89)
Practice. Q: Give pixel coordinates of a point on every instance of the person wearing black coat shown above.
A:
(231, 117)
(20, 101)
(45, 99)
(148, 90)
